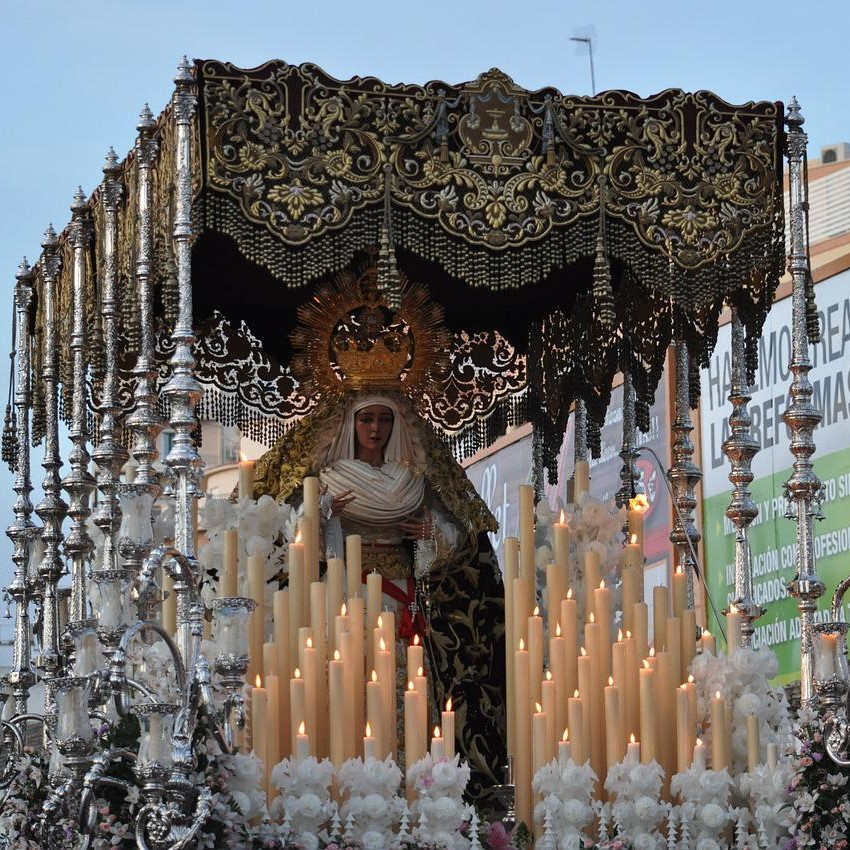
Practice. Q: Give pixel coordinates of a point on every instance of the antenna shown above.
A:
(586, 39)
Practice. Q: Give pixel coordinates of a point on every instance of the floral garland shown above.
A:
(819, 791)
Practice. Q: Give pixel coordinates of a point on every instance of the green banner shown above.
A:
(772, 544)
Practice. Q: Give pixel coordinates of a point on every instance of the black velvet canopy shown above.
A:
(565, 237)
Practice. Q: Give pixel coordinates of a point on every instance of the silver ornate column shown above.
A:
(741, 447)
(22, 531)
(803, 488)
(182, 390)
(144, 422)
(110, 454)
(79, 482)
(52, 508)
(628, 472)
(684, 475)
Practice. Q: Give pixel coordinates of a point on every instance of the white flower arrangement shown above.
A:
(637, 809)
(705, 802)
(744, 680)
(373, 805)
(245, 772)
(440, 807)
(265, 530)
(593, 526)
(770, 801)
(566, 789)
(305, 799)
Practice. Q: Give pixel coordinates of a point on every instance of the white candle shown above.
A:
(370, 745)
(302, 742)
(633, 751)
(699, 754)
(564, 749)
(438, 745)
(448, 718)
(246, 479)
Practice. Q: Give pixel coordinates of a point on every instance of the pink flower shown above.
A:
(497, 836)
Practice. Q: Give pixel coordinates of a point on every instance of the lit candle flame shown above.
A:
(416, 640)
(632, 738)
(557, 629)
(336, 655)
(538, 707)
(619, 634)
(690, 680)
(258, 682)
(374, 676)
(679, 570)
(382, 644)
(570, 593)
(583, 651)
(437, 732)
(706, 633)
(368, 730)
(576, 694)
(566, 736)
(410, 686)
(343, 610)
(242, 456)
(633, 539)
(717, 695)
(302, 728)
(652, 652)
(563, 518)
(380, 623)
(521, 645)
(646, 664)
(449, 704)
(297, 673)
(602, 584)
(298, 536)
(699, 742)
(420, 671)
(610, 681)
(639, 503)
(548, 675)
(628, 634)
(309, 643)
(592, 617)
(536, 612)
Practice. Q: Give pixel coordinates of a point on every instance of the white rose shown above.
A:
(374, 806)
(443, 840)
(708, 844)
(309, 841)
(646, 808)
(576, 812)
(645, 841)
(373, 840)
(445, 808)
(749, 703)
(444, 774)
(309, 805)
(713, 816)
(382, 774)
(714, 784)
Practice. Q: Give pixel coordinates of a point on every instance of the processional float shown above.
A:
(567, 238)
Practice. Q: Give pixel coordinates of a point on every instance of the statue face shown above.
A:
(373, 426)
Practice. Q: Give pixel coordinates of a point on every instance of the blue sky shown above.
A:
(75, 75)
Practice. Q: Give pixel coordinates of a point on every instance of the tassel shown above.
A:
(10, 439)
(602, 293)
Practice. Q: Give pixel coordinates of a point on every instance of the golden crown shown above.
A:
(350, 338)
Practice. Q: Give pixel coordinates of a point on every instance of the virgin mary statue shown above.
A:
(386, 476)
